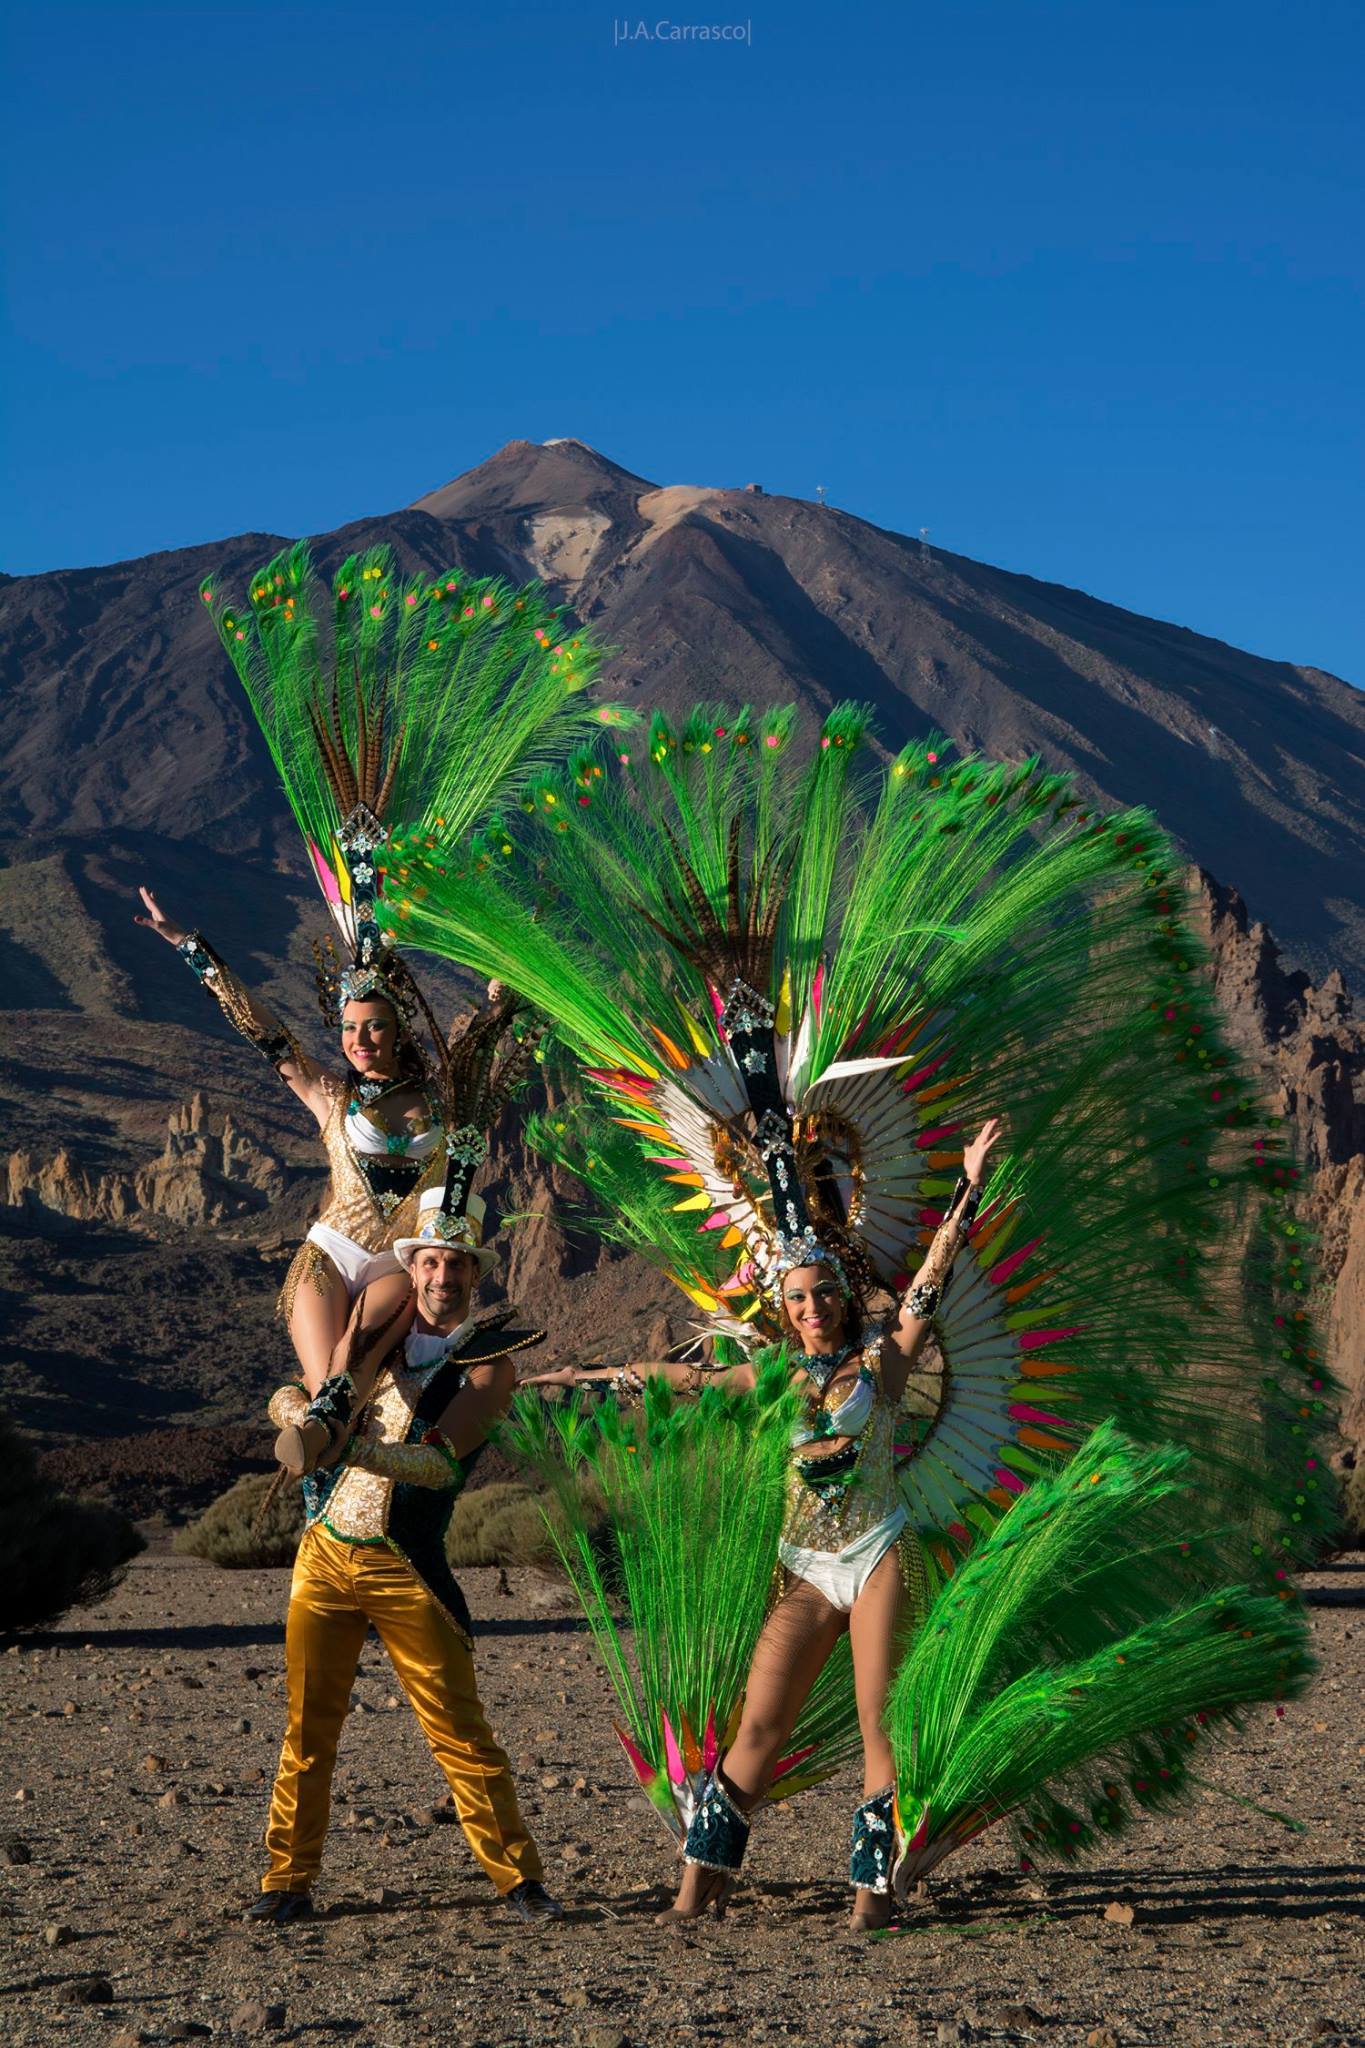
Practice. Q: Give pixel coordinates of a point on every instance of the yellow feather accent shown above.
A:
(700, 1043)
(782, 1023)
(342, 873)
(632, 1063)
(702, 1201)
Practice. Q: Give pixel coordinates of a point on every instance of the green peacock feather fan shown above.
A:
(1067, 1675)
(694, 1491)
(942, 941)
(414, 700)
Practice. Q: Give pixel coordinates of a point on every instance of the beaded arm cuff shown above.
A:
(431, 1463)
(924, 1296)
(243, 1012)
(288, 1406)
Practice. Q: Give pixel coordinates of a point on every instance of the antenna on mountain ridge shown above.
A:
(819, 494)
(924, 552)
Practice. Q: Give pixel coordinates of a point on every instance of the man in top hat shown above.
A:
(399, 1427)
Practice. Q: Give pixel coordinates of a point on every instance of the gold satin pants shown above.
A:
(338, 1590)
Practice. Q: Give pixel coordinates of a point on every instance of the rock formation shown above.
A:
(207, 1174)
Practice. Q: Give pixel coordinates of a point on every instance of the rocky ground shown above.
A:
(142, 1734)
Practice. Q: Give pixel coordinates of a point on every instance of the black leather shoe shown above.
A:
(530, 1901)
(277, 1909)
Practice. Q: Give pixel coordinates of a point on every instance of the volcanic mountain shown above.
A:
(128, 754)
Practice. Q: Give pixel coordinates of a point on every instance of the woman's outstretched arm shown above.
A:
(243, 1010)
(684, 1379)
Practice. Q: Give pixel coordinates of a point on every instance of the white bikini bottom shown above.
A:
(356, 1266)
(841, 1574)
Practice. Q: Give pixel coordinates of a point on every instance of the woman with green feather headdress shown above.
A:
(805, 1000)
(403, 701)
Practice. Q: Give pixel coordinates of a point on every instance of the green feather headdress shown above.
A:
(416, 700)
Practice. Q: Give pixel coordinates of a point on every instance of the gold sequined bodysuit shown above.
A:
(377, 1174)
(852, 1490)
(845, 1510)
(359, 1205)
(377, 1180)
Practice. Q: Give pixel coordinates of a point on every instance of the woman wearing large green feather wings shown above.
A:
(412, 701)
(794, 990)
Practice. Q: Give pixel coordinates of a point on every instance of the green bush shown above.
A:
(503, 1524)
(225, 1534)
(498, 1524)
(55, 1553)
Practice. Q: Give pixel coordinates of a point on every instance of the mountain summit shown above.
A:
(120, 713)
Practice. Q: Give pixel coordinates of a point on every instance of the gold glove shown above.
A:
(431, 1464)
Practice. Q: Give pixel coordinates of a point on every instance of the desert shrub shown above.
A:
(503, 1524)
(498, 1524)
(225, 1533)
(55, 1553)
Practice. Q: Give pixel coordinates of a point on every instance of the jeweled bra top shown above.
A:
(375, 1172)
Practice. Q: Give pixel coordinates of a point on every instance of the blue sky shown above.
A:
(1076, 286)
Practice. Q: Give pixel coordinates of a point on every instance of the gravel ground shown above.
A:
(140, 1742)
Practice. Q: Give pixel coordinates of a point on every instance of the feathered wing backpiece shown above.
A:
(694, 1491)
(797, 986)
(418, 701)
(1070, 1746)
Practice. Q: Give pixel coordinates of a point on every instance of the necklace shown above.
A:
(821, 1366)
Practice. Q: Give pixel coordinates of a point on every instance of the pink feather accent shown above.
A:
(921, 1075)
(926, 1139)
(625, 1084)
(327, 881)
(1020, 1411)
(676, 1769)
(718, 1220)
(716, 1002)
(920, 1836)
(891, 1043)
(710, 1747)
(960, 1532)
(1032, 1340)
(789, 1763)
(817, 988)
(1011, 1481)
(998, 1275)
(645, 1772)
(678, 1161)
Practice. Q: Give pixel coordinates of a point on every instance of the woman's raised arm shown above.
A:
(243, 1010)
(909, 1328)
